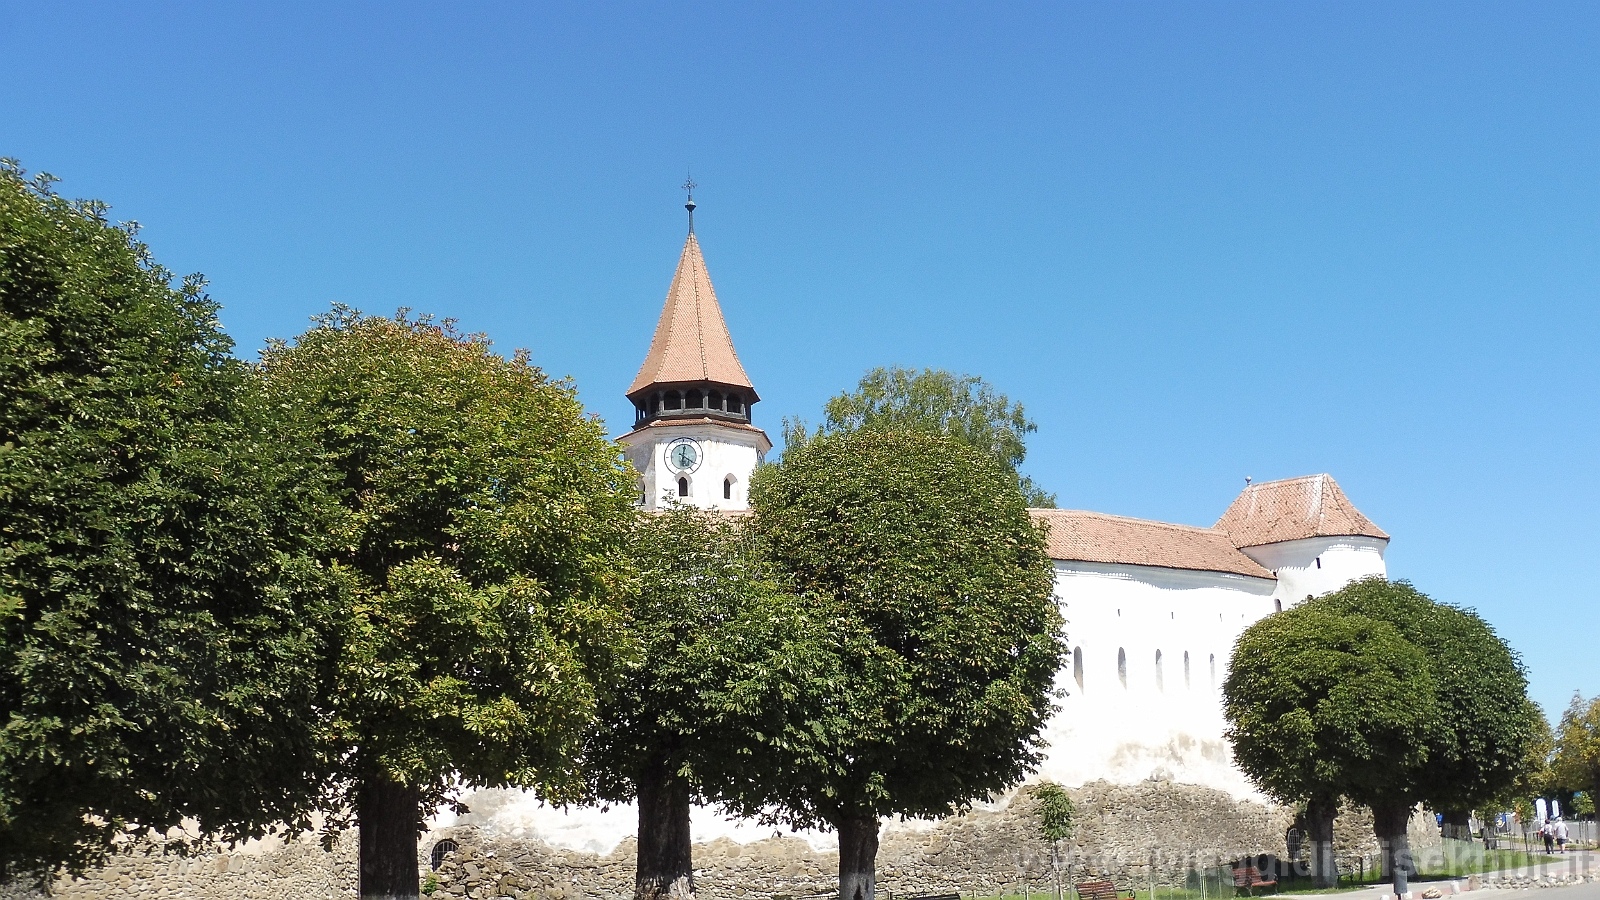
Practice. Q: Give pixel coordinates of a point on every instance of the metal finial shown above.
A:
(689, 186)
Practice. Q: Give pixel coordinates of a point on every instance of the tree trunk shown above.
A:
(664, 855)
(858, 857)
(1389, 821)
(1458, 824)
(389, 820)
(1319, 833)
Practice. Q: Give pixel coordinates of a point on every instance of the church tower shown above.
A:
(692, 440)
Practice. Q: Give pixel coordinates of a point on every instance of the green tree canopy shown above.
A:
(156, 660)
(725, 655)
(479, 520)
(1576, 764)
(964, 407)
(1487, 722)
(1321, 705)
(1324, 704)
(941, 592)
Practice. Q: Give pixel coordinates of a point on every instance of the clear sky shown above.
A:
(1198, 241)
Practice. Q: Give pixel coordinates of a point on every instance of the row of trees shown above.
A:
(1563, 764)
(1377, 694)
(385, 564)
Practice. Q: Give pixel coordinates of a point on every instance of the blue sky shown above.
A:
(1198, 241)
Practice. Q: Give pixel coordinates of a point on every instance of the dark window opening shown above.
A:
(695, 400)
(441, 848)
(727, 488)
(683, 487)
(1277, 605)
(673, 400)
(735, 405)
(713, 400)
(1319, 562)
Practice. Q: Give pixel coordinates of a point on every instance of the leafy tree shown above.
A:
(1577, 747)
(157, 660)
(1536, 776)
(723, 651)
(964, 407)
(1054, 809)
(479, 519)
(941, 592)
(1323, 704)
(1486, 719)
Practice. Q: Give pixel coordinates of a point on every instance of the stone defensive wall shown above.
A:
(1155, 831)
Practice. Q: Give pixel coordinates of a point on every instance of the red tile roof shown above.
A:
(1293, 509)
(1081, 536)
(691, 342)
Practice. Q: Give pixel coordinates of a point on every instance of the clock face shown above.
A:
(684, 455)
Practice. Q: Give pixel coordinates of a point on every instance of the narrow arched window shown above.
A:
(1186, 684)
(683, 487)
(440, 849)
(1161, 685)
(1077, 666)
(1213, 671)
(1277, 605)
(714, 400)
(735, 404)
(694, 400)
(727, 488)
(1122, 666)
(674, 401)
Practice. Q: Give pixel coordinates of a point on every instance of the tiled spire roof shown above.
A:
(691, 341)
(1293, 509)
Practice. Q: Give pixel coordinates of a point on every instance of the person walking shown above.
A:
(1559, 828)
(1547, 832)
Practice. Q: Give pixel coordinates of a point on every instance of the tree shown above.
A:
(157, 661)
(1323, 704)
(948, 634)
(1536, 775)
(1055, 811)
(1577, 747)
(1487, 722)
(689, 720)
(963, 407)
(478, 520)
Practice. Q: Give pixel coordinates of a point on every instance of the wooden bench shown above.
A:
(1248, 879)
(1099, 890)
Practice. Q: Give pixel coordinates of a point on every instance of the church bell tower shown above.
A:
(692, 440)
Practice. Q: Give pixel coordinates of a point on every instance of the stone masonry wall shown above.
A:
(1154, 830)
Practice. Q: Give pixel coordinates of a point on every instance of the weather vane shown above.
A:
(689, 186)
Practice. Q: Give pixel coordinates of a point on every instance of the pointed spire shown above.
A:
(689, 186)
(691, 342)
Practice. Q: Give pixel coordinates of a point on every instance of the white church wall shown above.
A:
(1169, 726)
(728, 453)
(1314, 566)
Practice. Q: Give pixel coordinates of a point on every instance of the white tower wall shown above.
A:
(729, 455)
(1171, 727)
(1311, 567)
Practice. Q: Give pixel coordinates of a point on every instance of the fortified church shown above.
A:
(1152, 608)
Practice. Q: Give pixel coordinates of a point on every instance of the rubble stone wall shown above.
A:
(1135, 834)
